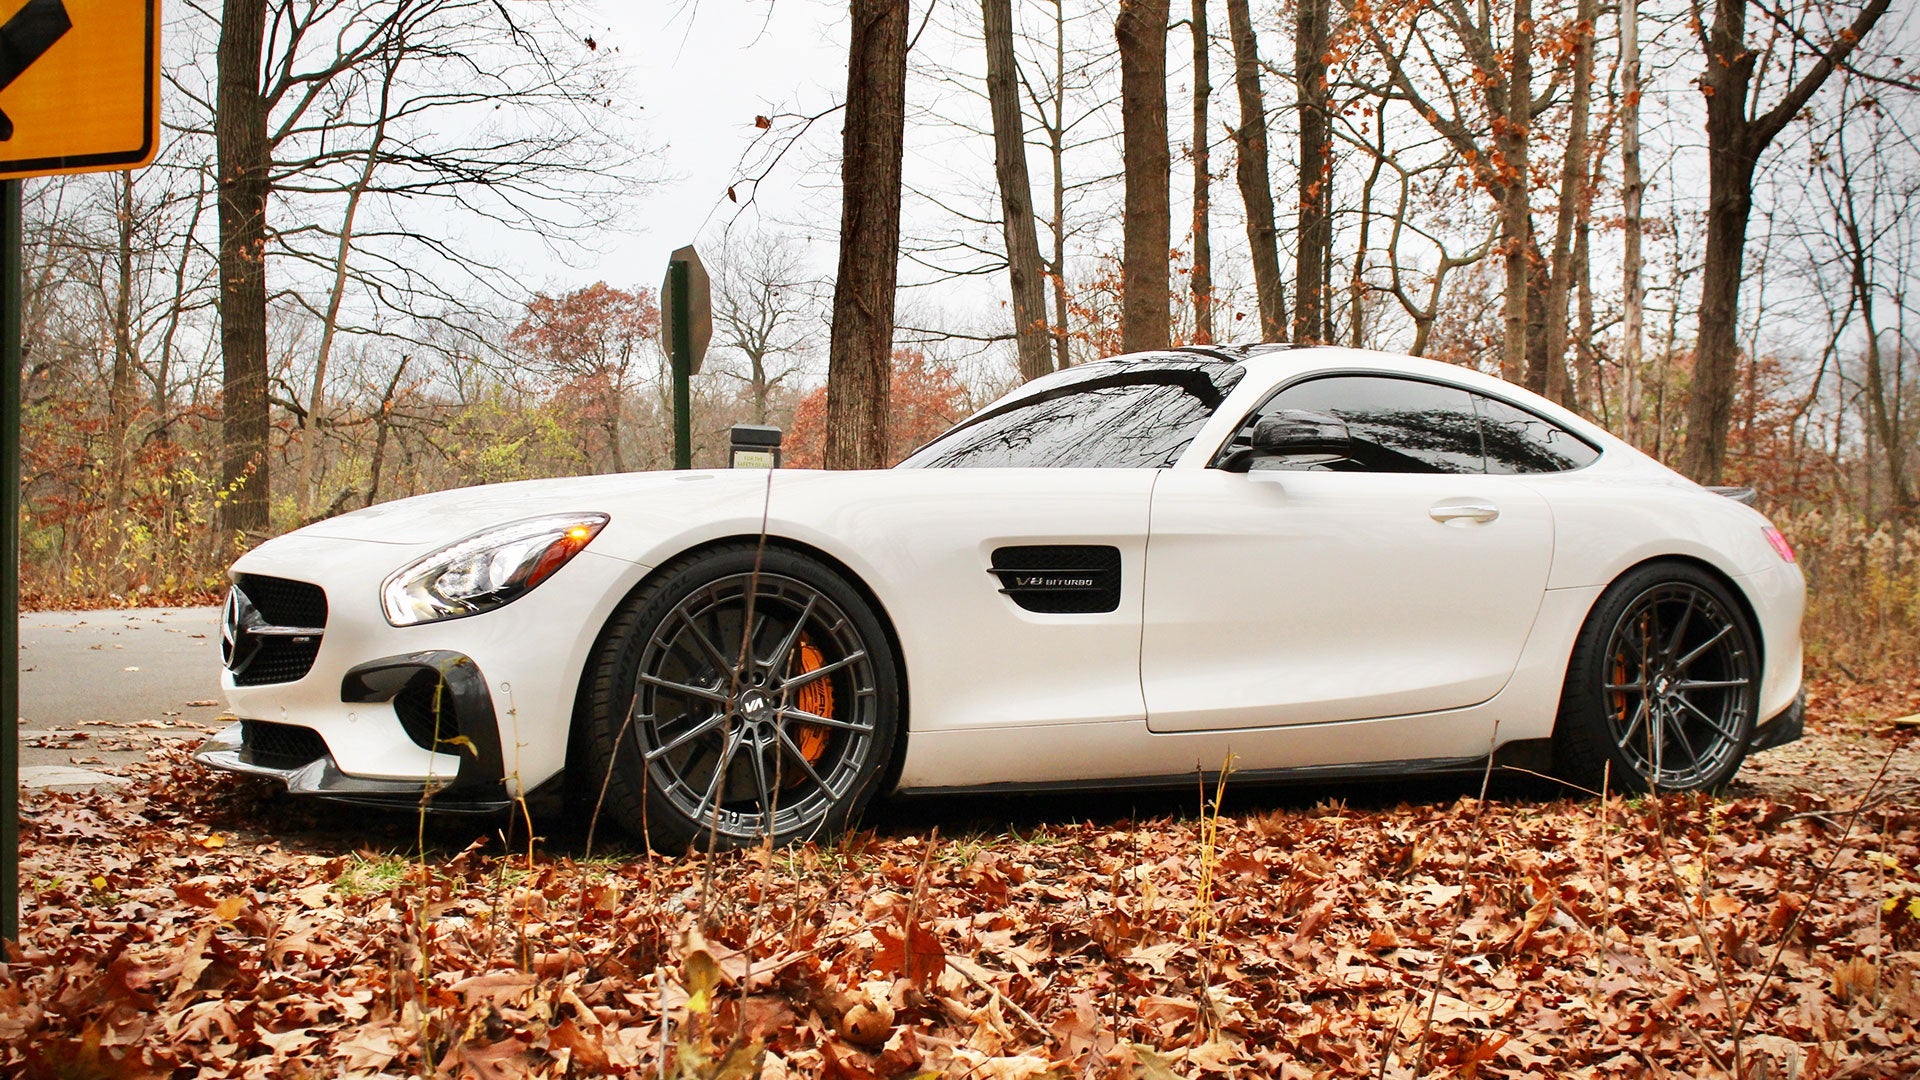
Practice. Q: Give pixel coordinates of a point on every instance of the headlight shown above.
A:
(492, 567)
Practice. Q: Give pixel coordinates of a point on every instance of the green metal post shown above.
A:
(680, 349)
(10, 559)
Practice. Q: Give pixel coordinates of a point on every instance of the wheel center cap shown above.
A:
(1663, 685)
(754, 705)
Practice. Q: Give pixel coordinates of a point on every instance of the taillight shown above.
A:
(1779, 542)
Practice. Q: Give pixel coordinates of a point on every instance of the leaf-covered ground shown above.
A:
(187, 925)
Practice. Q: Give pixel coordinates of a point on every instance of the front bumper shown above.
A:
(456, 718)
(358, 689)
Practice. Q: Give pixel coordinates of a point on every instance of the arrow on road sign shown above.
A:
(25, 38)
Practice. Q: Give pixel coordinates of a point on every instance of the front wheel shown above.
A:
(745, 693)
(1662, 687)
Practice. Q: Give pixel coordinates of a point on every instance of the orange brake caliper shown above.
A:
(1620, 698)
(815, 697)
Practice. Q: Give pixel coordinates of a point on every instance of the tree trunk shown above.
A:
(1356, 287)
(240, 132)
(317, 400)
(1736, 137)
(120, 397)
(383, 424)
(1314, 252)
(1016, 192)
(1883, 402)
(1590, 395)
(1250, 170)
(1633, 302)
(1516, 221)
(860, 351)
(1202, 182)
(1146, 273)
(1573, 184)
(1057, 147)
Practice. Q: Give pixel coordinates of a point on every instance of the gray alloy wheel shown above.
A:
(1663, 686)
(745, 693)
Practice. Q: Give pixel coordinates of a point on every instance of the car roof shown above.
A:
(1270, 362)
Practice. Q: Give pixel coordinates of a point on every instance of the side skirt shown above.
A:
(1527, 755)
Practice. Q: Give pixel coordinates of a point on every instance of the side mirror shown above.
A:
(1301, 436)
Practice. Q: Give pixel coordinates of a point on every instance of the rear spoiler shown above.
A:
(1742, 495)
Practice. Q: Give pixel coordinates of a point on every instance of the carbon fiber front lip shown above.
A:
(321, 778)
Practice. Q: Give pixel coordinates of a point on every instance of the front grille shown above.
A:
(279, 660)
(258, 640)
(426, 711)
(279, 746)
(283, 602)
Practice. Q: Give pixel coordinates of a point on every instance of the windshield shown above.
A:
(1112, 414)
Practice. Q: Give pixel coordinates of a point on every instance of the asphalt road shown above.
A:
(98, 688)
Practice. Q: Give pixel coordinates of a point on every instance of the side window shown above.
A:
(1397, 425)
(1519, 442)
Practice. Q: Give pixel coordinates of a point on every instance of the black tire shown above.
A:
(693, 739)
(1662, 687)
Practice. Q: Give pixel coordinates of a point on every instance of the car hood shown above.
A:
(629, 498)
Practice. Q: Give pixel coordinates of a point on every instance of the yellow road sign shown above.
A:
(79, 85)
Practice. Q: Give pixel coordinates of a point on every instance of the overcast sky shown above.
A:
(698, 74)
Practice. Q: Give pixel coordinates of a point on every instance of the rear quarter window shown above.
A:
(1517, 441)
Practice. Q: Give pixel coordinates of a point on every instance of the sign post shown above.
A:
(78, 93)
(686, 327)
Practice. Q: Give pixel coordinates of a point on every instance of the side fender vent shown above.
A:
(1060, 579)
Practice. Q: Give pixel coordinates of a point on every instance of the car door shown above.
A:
(1402, 580)
(1021, 535)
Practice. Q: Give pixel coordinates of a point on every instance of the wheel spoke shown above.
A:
(715, 786)
(749, 635)
(706, 644)
(1708, 720)
(778, 661)
(823, 670)
(688, 689)
(687, 736)
(805, 765)
(1633, 724)
(1686, 661)
(757, 756)
(806, 717)
(1710, 684)
(1680, 629)
(1672, 723)
(1615, 688)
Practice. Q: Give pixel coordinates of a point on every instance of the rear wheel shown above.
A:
(745, 693)
(1663, 685)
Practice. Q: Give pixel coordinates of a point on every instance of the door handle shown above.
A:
(1463, 513)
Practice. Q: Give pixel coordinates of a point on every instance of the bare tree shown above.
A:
(1024, 272)
(1312, 321)
(323, 106)
(1573, 191)
(1739, 130)
(1250, 171)
(859, 358)
(1202, 278)
(343, 254)
(1863, 227)
(1146, 268)
(1490, 105)
(241, 130)
(1633, 187)
(762, 309)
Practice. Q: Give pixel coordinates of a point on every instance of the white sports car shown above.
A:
(1318, 562)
